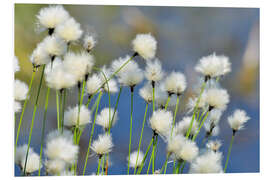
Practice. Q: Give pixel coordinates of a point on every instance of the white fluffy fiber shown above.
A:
(17, 106)
(175, 83)
(71, 116)
(217, 98)
(238, 119)
(54, 46)
(16, 64)
(182, 126)
(146, 92)
(174, 143)
(93, 83)
(40, 56)
(55, 166)
(213, 145)
(153, 70)
(136, 159)
(188, 151)
(117, 63)
(20, 90)
(105, 118)
(103, 144)
(89, 42)
(110, 85)
(131, 78)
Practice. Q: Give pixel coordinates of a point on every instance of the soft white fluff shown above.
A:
(214, 116)
(175, 83)
(78, 64)
(89, 42)
(210, 162)
(238, 119)
(117, 63)
(182, 126)
(175, 143)
(213, 145)
(103, 144)
(50, 17)
(145, 45)
(93, 83)
(217, 98)
(16, 64)
(40, 56)
(61, 146)
(161, 97)
(105, 118)
(161, 122)
(52, 65)
(55, 166)
(20, 90)
(54, 46)
(21, 153)
(110, 85)
(213, 65)
(32, 164)
(146, 92)
(131, 78)
(58, 79)
(134, 159)
(212, 130)
(17, 106)
(153, 70)
(193, 101)
(188, 151)
(71, 116)
(69, 30)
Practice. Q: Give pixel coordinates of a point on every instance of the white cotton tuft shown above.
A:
(71, 116)
(146, 92)
(32, 164)
(60, 146)
(69, 30)
(217, 98)
(21, 153)
(52, 65)
(161, 97)
(211, 129)
(182, 126)
(105, 118)
(161, 122)
(174, 143)
(213, 65)
(214, 116)
(20, 90)
(40, 56)
(89, 42)
(117, 63)
(175, 83)
(145, 45)
(192, 102)
(17, 106)
(110, 85)
(238, 119)
(54, 46)
(16, 64)
(131, 78)
(210, 162)
(93, 83)
(134, 161)
(153, 71)
(103, 144)
(55, 166)
(188, 151)
(213, 145)
(52, 16)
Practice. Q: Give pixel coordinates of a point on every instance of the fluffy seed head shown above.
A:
(161, 97)
(32, 163)
(161, 122)
(16, 64)
(146, 92)
(130, 66)
(214, 116)
(192, 102)
(153, 70)
(145, 45)
(50, 17)
(21, 153)
(217, 98)
(17, 106)
(103, 144)
(188, 151)
(238, 119)
(134, 162)
(71, 116)
(175, 143)
(175, 83)
(111, 85)
(40, 56)
(131, 78)
(69, 30)
(20, 90)
(105, 118)
(214, 145)
(93, 83)
(54, 46)
(89, 42)
(183, 126)
(55, 166)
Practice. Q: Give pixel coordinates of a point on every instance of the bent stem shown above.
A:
(92, 132)
(33, 118)
(229, 153)
(24, 106)
(116, 105)
(43, 130)
(140, 141)
(130, 128)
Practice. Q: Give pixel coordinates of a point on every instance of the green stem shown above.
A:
(63, 109)
(99, 161)
(92, 132)
(229, 153)
(153, 85)
(89, 100)
(43, 129)
(165, 164)
(198, 131)
(130, 128)
(167, 102)
(102, 167)
(175, 113)
(116, 106)
(149, 164)
(140, 141)
(58, 111)
(153, 154)
(24, 106)
(178, 167)
(33, 118)
(145, 155)
(183, 167)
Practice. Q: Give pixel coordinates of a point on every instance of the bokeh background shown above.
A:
(184, 34)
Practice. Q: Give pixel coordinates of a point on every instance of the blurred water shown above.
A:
(183, 35)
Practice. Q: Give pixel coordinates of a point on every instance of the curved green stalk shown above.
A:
(167, 102)
(149, 164)
(229, 153)
(145, 155)
(153, 154)
(63, 109)
(130, 128)
(198, 131)
(178, 167)
(116, 105)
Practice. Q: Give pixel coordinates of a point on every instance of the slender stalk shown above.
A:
(33, 118)
(63, 108)
(178, 167)
(58, 111)
(153, 154)
(145, 155)
(130, 128)
(102, 166)
(24, 106)
(99, 161)
(175, 113)
(198, 131)
(153, 86)
(165, 164)
(92, 132)
(116, 105)
(167, 102)
(229, 153)
(182, 169)
(140, 141)
(89, 100)
(149, 164)
(43, 129)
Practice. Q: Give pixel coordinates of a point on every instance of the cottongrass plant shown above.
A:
(64, 69)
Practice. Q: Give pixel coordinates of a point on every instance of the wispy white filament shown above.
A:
(133, 159)
(175, 83)
(103, 144)
(105, 118)
(20, 90)
(238, 119)
(153, 71)
(217, 98)
(71, 116)
(146, 92)
(93, 83)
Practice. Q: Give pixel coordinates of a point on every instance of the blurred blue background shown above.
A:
(184, 34)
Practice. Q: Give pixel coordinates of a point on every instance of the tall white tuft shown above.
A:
(192, 102)
(117, 63)
(89, 42)
(131, 78)
(238, 119)
(103, 144)
(93, 83)
(69, 30)
(20, 90)
(175, 143)
(40, 56)
(133, 159)
(161, 97)
(17, 106)
(145, 45)
(182, 126)
(110, 85)
(21, 153)
(146, 92)
(175, 83)
(16, 64)
(71, 116)
(55, 166)
(32, 164)
(217, 98)
(54, 46)
(104, 119)
(188, 151)
(153, 71)
(213, 145)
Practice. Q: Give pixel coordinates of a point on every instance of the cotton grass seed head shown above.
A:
(17, 106)
(69, 30)
(20, 90)
(89, 42)
(16, 64)
(146, 92)
(103, 144)
(55, 166)
(161, 122)
(188, 151)
(175, 83)
(238, 119)
(40, 56)
(93, 83)
(21, 153)
(182, 126)
(193, 101)
(161, 97)
(72, 119)
(217, 98)
(32, 164)
(153, 71)
(117, 63)
(213, 145)
(134, 161)
(104, 119)
(54, 46)
(110, 85)
(174, 143)
(145, 45)
(131, 78)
